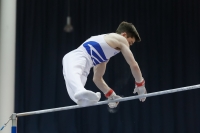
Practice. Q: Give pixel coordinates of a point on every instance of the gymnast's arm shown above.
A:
(139, 88)
(124, 48)
(99, 71)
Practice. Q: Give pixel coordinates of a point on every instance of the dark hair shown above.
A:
(130, 29)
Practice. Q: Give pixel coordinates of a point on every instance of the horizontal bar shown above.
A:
(107, 101)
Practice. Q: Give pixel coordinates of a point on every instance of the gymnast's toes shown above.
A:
(86, 94)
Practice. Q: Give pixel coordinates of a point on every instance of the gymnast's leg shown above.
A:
(73, 69)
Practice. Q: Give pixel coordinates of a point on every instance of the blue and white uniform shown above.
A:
(98, 50)
(77, 64)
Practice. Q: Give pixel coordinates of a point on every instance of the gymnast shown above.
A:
(95, 53)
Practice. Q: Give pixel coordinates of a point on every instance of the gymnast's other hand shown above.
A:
(140, 89)
(111, 95)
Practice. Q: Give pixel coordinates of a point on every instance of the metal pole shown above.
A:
(14, 116)
(14, 123)
(107, 101)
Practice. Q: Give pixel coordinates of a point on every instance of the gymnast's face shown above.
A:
(130, 40)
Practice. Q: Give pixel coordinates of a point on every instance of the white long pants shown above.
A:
(76, 68)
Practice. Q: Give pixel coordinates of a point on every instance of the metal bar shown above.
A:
(107, 101)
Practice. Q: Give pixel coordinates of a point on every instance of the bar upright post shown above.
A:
(14, 123)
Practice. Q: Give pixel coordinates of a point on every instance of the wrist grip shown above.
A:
(140, 84)
(109, 93)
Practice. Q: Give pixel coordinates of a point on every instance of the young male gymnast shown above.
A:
(95, 52)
